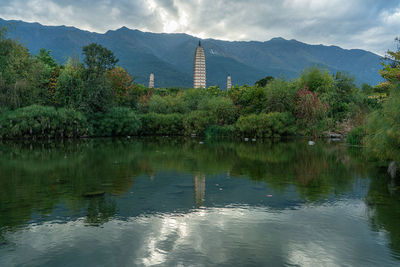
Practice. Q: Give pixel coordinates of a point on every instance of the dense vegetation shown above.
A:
(41, 99)
(382, 128)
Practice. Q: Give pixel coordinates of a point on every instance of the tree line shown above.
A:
(40, 98)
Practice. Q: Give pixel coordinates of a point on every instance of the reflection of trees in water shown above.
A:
(384, 209)
(100, 210)
(35, 178)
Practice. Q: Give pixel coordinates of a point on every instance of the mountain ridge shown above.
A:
(170, 55)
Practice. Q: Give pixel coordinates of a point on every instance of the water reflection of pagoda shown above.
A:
(199, 185)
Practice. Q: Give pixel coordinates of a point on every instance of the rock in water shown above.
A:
(392, 169)
(311, 143)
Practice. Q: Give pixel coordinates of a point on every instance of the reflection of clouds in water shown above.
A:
(311, 235)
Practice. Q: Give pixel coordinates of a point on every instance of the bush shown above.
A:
(310, 111)
(383, 129)
(320, 81)
(166, 104)
(162, 124)
(355, 136)
(221, 108)
(274, 124)
(119, 121)
(197, 121)
(280, 96)
(192, 97)
(43, 122)
(248, 99)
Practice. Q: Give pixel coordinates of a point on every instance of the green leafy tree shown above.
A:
(45, 57)
(17, 73)
(98, 95)
(264, 81)
(383, 125)
(70, 85)
(98, 59)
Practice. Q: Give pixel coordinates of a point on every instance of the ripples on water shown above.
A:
(173, 202)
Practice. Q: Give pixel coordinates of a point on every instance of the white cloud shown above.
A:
(347, 23)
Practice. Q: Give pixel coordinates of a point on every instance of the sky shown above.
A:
(365, 24)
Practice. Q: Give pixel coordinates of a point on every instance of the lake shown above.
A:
(181, 202)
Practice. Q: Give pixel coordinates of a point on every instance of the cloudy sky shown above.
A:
(365, 24)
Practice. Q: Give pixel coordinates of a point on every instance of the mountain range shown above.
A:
(170, 56)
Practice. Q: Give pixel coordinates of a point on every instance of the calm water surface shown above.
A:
(175, 202)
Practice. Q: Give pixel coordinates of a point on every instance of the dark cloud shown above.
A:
(366, 24)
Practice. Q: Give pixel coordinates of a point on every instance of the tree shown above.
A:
(69, 85)
(391, 70)
(121, 85)
(264, 81)
(97, 93)
(383, 125)
(45, 57)
(309, 109)
(17, 73)
(98, 59)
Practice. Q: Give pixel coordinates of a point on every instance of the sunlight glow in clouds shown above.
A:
(365, 24)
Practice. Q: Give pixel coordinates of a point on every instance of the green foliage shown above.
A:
(383, 129)
(121, 86)
(274, 124)
(17, 72)
(96, 86)
(162, 124)
(167, 104)
(264, 81)
(192, 97)
(248, 99)
(97, 95)
(355, 136)
(279, 96)
(383, 125)
(45, 57)
(309, 109)
(43, 122)
(391, 70)
(70, 83)
(221, 108)
(119, 121)
(197, 121)
(316, 80)
(98, 59)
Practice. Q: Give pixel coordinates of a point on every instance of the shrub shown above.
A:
(192, 97)
(162, 124)
(166, 104)
(310, 111)
(383, 129)
(221, 108)
(280, 96)
(43, 122)
(320, 81)
(274, 124)
(119, 121)
(248, 99)
(197, 121)
(355, 136)
(69, 86)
